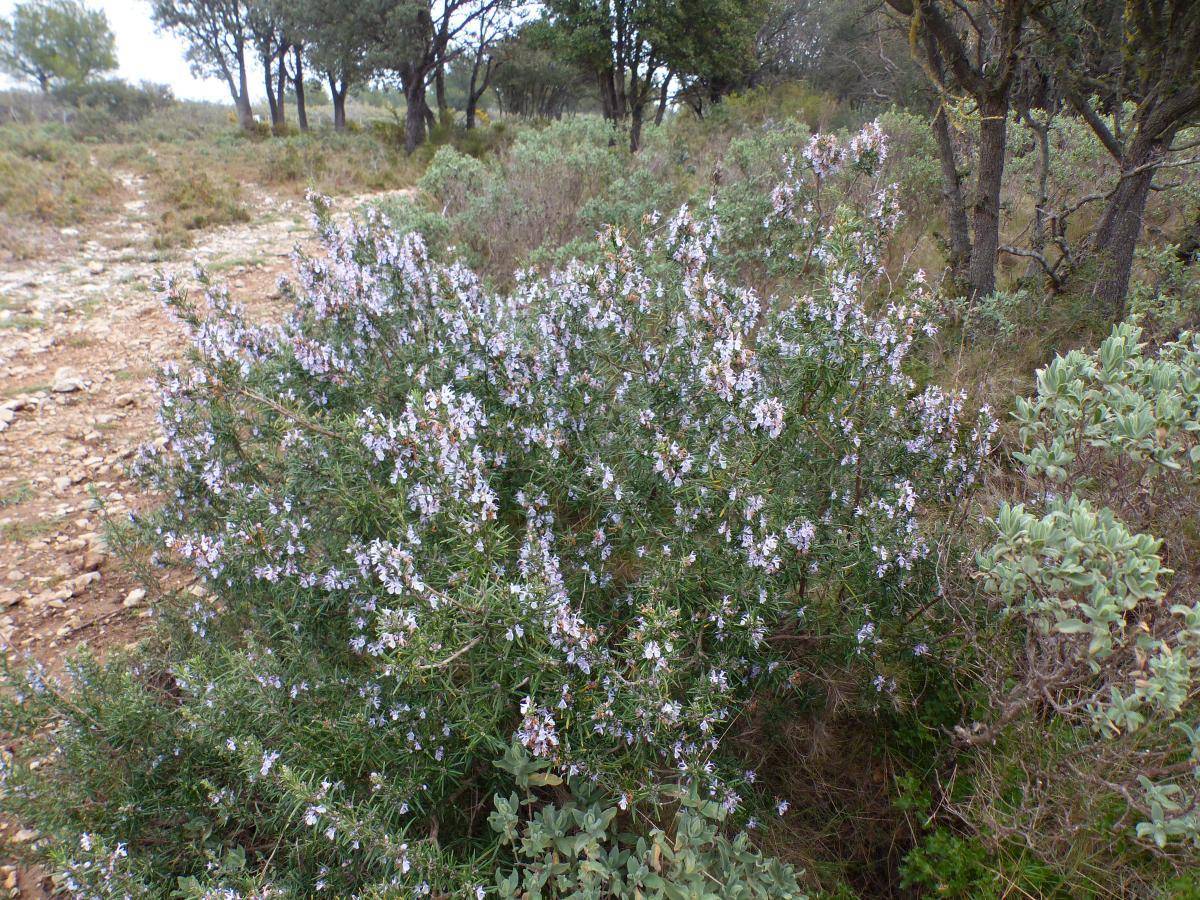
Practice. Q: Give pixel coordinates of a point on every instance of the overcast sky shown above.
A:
(147, 55)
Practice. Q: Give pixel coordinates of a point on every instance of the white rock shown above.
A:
(66, 381)
(134, 598)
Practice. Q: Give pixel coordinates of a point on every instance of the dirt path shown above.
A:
(79, 337)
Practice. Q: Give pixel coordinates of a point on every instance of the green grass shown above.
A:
(28, 531)
(21, 322)
(224, 265)
(19, 493)
(16, 391)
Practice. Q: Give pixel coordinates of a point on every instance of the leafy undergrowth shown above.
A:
(46, 182)
(196, 201)
(670, 570)
(195, 168)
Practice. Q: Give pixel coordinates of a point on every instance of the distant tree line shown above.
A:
(1129, 70)
(631, 53)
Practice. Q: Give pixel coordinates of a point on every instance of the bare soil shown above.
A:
(81, 334)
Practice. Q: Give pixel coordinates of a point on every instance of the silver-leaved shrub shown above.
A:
(1114, 641)
(601, 517)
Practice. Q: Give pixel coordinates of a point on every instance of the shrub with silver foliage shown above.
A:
(1114, 642)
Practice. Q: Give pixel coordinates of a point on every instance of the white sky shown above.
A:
(148, 55)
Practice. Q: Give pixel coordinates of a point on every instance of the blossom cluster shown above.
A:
(577, 515)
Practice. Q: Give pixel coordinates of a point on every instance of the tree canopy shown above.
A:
(56, 42)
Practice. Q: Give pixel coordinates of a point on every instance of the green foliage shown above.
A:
(1116, 403)
(542, 199)
(119, 100)
(534, 82)
(406, 216)
(529, 197)
(100, 107)
(950, 866)
(1119, 649)
(1001, 315)
(1078, 571)
(56, 42)
(629, 46)
(592, 515)
(946, 864)
(582, 847)
(913, 166)
(197, 200)
(453, 180)
(1165, 299)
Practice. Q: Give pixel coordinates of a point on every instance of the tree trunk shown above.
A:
(475, 89)
(439, 86)
(241, 98)
(298, 83)
(663, 96)
(269, 83)
(635, 126)
(608, 96)
(245, 113)
(985, 213)
(414, 114)
(281, 89)
(1038, 239)
(1115, 237)
(952, 196)
(339, 103)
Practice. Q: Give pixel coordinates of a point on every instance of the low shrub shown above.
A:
(45, 181)
(1107, 636)
(529, 196)
(1165, 298)
(99, 106)
(603, 518)
(193, 201)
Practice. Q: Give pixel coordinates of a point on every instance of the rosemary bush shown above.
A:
(584, 528)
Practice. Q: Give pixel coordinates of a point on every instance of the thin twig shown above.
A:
(452, 657)
(287, 413)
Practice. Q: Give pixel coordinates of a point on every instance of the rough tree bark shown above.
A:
(478, 85)
(952, 196)
(414, 114)
(1115, 237)
(1037, 241)
(281, 89)
(1146, 54)
(273, 103)
(985, 204)
(957, 224)
(241, 95)
(979, 52)
(439, 85)
(298, 85)
(338, 96)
